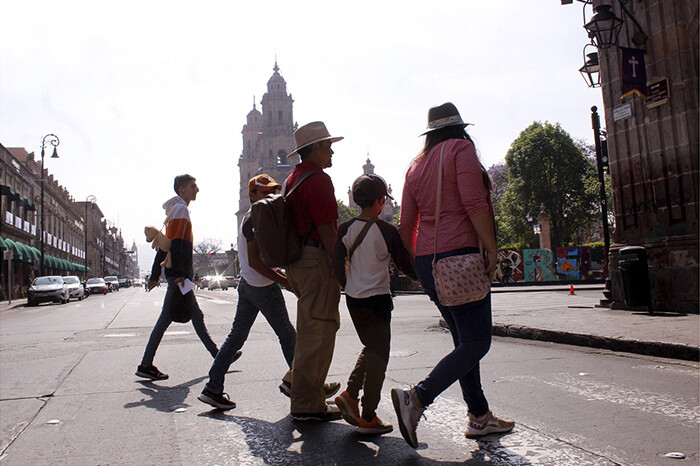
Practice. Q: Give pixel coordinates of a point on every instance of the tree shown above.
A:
(345, 213)
(546, 167)
(499, 180)
(204, 252)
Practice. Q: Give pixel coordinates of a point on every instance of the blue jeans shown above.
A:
(165, 320)
(252, 299)
(470, 326)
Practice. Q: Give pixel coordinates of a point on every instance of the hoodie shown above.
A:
(178, 229)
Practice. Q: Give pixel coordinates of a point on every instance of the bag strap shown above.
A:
(437, 207)
(301, 179)
(361, 236)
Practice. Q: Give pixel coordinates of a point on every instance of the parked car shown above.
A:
(75, 288)
(97, 285)
(124, 283)
(217, 282)
(47, 289)
(232, 281)
(204, 282)
(112, 283)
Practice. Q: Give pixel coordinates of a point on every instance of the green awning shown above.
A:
(36, 252)
(3, 244)
(17, 253)
(49, 261)
(27, 255)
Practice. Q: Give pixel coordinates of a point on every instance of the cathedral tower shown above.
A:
(267, 139)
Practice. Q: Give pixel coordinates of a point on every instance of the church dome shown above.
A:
(276, 81)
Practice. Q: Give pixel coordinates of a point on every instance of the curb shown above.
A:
(648, 348)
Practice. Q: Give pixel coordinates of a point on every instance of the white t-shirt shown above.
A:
(249, 274)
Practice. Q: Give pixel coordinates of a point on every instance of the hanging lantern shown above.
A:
(591, 68)
(604, 27)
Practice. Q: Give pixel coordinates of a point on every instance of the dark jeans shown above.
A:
(252, 299)
(165, 320)
(372, 319)
(470, 326)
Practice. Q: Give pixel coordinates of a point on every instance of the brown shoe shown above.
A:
(491, 424)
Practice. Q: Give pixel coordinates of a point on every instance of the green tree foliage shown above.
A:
(546, 167)
(345, 213)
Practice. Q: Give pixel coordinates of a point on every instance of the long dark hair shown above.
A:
(434, 138)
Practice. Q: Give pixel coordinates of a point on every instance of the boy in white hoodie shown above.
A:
(179, 230)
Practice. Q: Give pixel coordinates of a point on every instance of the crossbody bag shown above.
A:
(458, 279)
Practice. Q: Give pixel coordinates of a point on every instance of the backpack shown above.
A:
(274, 228)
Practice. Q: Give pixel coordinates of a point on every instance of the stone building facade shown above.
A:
(64, 233)
(653, 148)
(268, 137)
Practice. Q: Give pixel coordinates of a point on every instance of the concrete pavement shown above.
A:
(551, 313)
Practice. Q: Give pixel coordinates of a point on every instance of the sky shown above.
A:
(139, 92)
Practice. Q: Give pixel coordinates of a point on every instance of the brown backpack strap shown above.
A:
(361, 236)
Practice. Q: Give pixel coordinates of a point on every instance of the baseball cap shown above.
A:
(369, 187)
(263, 182)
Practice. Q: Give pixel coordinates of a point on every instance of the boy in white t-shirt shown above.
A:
(258, 291)
(369, 243)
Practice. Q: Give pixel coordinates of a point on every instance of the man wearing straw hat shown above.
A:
(315, 213)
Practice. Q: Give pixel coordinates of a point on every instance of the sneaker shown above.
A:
(349, 406)
(408, 412)
(150, 372)
(374, 427)
(217, 400)
(332, 413)
(329, 389)
(491, 424)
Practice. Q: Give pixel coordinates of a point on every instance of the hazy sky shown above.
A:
(140, 91)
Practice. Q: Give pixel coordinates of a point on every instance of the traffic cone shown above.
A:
(571, 290)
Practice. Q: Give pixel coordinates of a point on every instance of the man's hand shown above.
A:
(179, 280)
(151, 284)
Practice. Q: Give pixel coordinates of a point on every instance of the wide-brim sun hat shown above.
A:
(442, 116)
(312, 133)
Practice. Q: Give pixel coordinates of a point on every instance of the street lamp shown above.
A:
(601, 160)
(591, 68)
(604, 27)
(91, 199)
(107, 226)
(54, 141)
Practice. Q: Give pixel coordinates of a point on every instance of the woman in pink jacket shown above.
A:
(466, 216)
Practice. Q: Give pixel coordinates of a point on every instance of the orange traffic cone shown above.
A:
(571, 290)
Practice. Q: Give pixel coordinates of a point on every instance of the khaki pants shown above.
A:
(318, 321)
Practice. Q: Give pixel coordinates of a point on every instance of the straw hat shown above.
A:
(311, 133)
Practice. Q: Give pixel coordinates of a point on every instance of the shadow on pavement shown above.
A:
(288, 442)
(164, 399)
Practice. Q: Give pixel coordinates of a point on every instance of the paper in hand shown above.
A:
(186, 286)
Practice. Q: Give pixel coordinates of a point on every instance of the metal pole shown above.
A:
(41, 235)
(595, 119)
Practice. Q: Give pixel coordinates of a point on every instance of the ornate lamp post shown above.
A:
(54, 141)
(91, 199)
(601, 159)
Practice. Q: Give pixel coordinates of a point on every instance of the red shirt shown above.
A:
(313, 202)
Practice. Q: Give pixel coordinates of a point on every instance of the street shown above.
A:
(68, 394)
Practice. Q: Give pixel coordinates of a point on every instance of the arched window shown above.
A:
(282, 156)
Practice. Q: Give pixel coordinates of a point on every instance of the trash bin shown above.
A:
(635, 276)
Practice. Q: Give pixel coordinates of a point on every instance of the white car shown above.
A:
(49, 288)
(75, 288)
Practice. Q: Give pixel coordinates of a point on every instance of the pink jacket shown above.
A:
(463, 195)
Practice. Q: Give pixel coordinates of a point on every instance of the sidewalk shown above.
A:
(556, 316)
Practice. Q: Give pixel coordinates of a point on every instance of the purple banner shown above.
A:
(634, 72)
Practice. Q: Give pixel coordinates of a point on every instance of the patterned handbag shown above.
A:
(458, 279)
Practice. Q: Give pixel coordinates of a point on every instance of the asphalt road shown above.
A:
(68, 395)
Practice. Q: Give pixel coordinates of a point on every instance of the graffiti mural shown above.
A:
(538, 265)
(510, 267)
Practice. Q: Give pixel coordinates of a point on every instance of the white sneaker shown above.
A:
(408, 413)
(492, 424)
